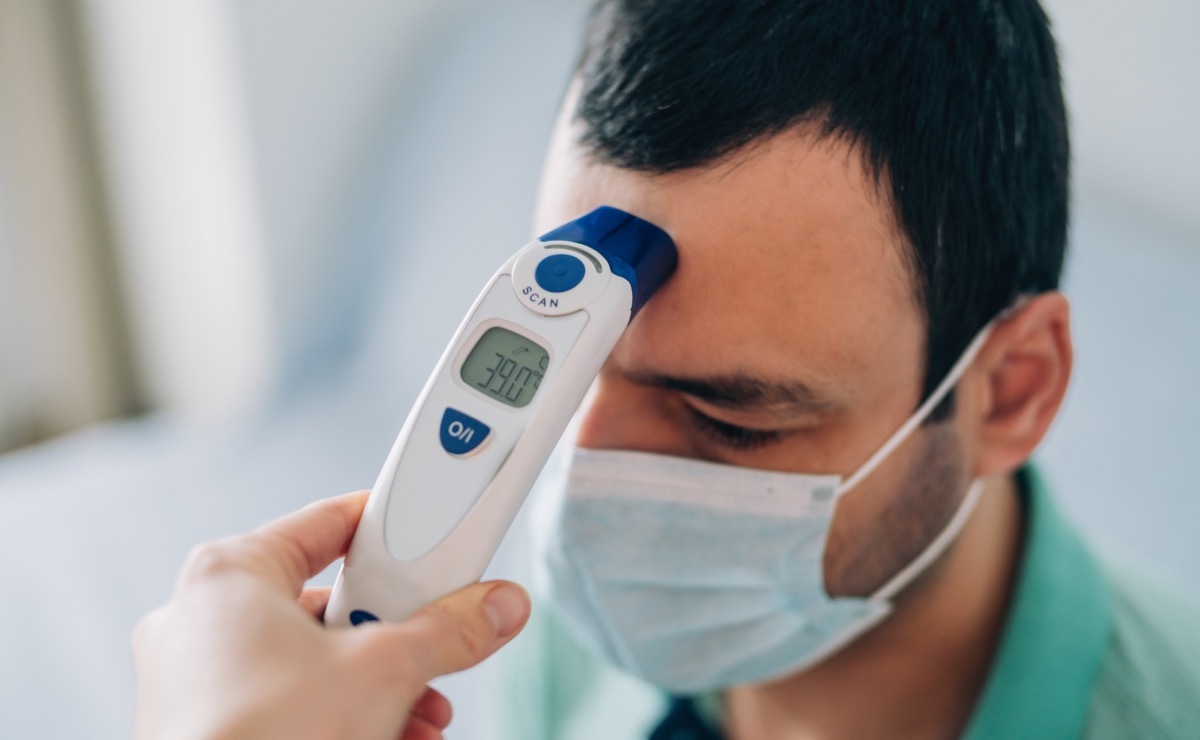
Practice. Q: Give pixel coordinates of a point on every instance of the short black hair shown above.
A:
(956, 106)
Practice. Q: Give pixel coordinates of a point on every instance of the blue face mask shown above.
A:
(697, 576)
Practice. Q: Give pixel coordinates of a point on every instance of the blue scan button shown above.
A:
(461, 433)
(558, 273)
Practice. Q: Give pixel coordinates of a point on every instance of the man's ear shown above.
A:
(1024, 370)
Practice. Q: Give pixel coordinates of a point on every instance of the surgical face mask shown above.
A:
(698, 576)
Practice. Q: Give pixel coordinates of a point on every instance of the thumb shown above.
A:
(457, 631)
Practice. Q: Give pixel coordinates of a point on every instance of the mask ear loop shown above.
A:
(948, 534)
(923, 412)
(934, 549)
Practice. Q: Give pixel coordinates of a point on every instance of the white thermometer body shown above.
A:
(487, 420)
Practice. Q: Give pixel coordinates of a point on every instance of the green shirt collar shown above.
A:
(1057, 632)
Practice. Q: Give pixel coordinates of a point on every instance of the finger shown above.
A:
(314, 599)
(419, 729)
(434, 708)
(451, 634)
(144, 629)
(300, 545)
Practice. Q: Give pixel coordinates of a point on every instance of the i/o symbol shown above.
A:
(460, 432)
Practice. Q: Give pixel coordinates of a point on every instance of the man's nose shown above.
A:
(621, 415)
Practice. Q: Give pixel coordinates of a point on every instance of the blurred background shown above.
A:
(235, 236)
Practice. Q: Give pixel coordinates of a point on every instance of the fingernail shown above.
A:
(505, 606)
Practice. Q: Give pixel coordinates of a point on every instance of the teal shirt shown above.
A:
(1090, 650)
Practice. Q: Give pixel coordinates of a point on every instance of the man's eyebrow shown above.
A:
(738, 391)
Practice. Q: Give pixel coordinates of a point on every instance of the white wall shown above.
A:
(185, 204)
(233, 133)
(1132, 74)
(322, 81)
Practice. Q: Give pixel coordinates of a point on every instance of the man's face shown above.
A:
(788, 339)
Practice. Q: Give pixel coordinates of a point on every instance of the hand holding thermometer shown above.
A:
(499, 399)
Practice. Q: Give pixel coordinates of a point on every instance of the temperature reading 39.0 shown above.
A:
(506, 366)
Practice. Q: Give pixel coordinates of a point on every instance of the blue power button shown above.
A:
(558, 273)
(362, 616)
(461, 433)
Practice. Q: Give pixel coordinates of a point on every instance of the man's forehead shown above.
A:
(799, 193)
(789, 260)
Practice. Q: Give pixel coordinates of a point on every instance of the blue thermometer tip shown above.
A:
(637, 250)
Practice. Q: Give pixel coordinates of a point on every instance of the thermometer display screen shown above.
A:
(506, 366)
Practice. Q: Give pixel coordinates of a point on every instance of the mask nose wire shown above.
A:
(922, 412)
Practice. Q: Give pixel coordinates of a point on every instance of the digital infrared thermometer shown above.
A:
(499, 399)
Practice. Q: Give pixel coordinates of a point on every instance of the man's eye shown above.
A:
(731, 435)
